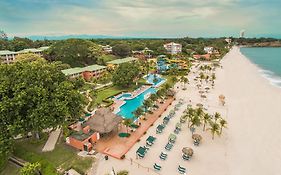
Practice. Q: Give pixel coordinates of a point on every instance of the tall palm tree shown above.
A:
(147, 104)
(199, 112)
(195, 121)
(206, 118)
(223, 124)
(214, 128)
(190, 114)
(138, 112)
(217, 116)
(153, 97)
(127, 123)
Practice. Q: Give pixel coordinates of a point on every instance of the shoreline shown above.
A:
(270, 76)
(253, 117)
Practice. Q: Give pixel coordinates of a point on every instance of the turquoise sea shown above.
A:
(268, 59)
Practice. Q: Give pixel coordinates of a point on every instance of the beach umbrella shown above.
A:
(178, 125)
(221, 97)
(134, 126)
(172, 137)
(197, 137)
(123, 134)
(207, 88)
(201, 92)
(203, 96)
(187, 151)
(199, 105)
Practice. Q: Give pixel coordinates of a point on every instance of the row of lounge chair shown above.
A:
(143, 149)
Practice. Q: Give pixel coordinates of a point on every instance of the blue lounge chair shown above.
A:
(181, 170)
(157, 167)
(163, 156)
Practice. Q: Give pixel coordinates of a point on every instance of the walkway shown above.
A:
(117, 147)
(52, 140)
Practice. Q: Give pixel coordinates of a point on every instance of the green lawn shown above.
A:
(63, 157)
(10, 169)
(111, 91)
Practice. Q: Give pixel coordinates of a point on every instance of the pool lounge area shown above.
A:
(131, 105)
(129, 102)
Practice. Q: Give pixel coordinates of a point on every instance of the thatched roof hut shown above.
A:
(103, 121)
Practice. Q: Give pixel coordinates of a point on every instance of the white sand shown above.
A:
(250, 145)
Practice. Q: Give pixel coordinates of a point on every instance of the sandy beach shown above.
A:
(251, 143)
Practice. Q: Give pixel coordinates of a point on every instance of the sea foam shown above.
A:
(271, 76)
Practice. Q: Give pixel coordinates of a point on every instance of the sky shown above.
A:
(143, 18)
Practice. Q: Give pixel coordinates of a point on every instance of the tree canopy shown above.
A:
(34, 96)
(122, 50)
(75, 52)
(125, 74)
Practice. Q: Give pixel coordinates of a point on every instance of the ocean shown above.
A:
(268, 59)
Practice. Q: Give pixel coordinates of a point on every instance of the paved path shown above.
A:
(52, 140)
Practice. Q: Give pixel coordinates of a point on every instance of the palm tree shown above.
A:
(138, 112)
(127, 123)
(190, 114)
(223, 124)
(147, 103)
(214, 128)
(213, 76)
(217, 116)
(206, 118)
(199, 112)
(153, 97)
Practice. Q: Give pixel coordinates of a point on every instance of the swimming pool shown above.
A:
(123, 96)
(132, 104)
(154, 79)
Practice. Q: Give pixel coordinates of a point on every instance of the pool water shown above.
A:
(132, 104)
(125, 95)
(154, 79)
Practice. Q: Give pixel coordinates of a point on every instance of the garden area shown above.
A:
(61, 158)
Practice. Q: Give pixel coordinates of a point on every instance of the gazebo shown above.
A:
(103, 121)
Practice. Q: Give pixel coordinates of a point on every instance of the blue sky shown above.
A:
(150, 18)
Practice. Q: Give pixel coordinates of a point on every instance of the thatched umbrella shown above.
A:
(197, 137)
(203, 96)
(103, 121)
(199, 105)
(187, 151)
(221, 97)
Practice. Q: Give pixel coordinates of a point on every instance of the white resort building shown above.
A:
(173, 48)
(107, 49)
(8, 57)
(209, 50)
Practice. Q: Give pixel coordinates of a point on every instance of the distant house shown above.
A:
(86, 134)
(107, 48)
(209, 50)
(93, 71)
(113, 64)
(173, 48)
(142, 54)
(204, 57)
(8, 57)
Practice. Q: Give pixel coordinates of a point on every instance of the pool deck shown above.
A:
(117, 147)
(118, 103)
